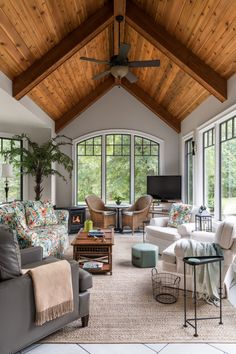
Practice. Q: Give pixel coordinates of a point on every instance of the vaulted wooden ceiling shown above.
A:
(41, 42)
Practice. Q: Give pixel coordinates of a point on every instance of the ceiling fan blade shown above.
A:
(98, 61)
(101, 75)
(144, 63)
(124, 50)
(131, 77)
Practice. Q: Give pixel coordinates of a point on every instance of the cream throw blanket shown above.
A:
(207, 275)
(53, 290)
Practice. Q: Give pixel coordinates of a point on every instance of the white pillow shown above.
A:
(224, 234)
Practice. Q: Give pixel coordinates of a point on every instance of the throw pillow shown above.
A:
(224, 234)
(40, 214)
(179, 214)
(10, 265)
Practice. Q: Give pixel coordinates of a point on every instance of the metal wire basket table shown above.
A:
(165, 287)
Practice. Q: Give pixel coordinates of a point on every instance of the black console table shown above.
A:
(77, 217)
(195, 261)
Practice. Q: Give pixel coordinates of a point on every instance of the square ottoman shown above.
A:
(144, 255)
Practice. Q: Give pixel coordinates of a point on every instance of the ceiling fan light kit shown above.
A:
(119, 64)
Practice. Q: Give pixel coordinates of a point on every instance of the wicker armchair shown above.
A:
(100, 215)
(137, 213)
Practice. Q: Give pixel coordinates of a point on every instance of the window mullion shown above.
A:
(103, 167)
(132, 169)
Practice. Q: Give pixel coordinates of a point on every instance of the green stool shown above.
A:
(144, 255)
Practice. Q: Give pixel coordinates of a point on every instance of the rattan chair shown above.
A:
(134, 216)
(99, 214)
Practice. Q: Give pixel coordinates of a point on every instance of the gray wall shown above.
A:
(119, 110)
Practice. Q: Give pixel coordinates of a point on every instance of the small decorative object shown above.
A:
(117, 199)
(7, 172)
(203, 220)
(88, 225)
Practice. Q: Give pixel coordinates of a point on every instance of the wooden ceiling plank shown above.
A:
(150, 103)
(177, 52)
(119, 9)
(84, 103)
(62, 52)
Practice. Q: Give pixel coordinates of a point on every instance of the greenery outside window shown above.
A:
(209, 169)
(89, 159)
(15, 183)
(116, 164)
(189, 171)
(228, 167)
(146, 163)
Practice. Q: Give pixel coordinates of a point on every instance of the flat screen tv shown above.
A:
(164, 188)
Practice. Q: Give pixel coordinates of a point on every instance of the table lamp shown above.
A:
(7, 172)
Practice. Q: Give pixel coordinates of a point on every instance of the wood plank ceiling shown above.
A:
(41, 42)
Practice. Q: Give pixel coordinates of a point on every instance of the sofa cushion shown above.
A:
(10, 264)
(179, 214)
(224, 234)
(39, 214)
(165, 233)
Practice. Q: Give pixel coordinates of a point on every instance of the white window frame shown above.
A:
(213, 123)
(132, 133)
(25, 182)
(183, 172)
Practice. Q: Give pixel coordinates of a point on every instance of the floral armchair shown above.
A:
(36, 223)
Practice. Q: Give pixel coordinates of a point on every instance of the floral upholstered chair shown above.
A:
(36, 223)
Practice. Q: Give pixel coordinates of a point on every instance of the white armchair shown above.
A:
(158, 233)
(225, 236)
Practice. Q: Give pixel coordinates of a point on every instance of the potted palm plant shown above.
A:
(37, 159)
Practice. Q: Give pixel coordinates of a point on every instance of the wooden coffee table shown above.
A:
(89, 249)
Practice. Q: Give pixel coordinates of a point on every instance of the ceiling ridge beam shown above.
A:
(84, 103)
(151, 104)
(67, 47)
(176, 51)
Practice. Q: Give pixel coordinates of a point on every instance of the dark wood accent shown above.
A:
(92, 249)
(85, 321)
(150, 103)
(85, 103)
(176, 51)
(119, 9)
(77, 217)
(76, 40)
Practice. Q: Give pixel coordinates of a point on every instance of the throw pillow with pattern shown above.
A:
(179, 214)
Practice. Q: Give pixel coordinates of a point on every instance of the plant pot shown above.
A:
(118, 203)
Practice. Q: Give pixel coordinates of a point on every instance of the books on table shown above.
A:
(93, 265)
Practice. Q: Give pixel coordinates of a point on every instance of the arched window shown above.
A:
(113, 164)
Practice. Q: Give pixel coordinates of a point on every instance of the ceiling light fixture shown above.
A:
(119, 71)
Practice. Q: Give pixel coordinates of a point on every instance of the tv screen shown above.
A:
(164, 187)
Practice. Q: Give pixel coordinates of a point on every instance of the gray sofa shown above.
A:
(17, 307)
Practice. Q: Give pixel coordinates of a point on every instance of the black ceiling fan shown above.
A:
(120, 64)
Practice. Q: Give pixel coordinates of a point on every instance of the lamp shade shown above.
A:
(7, 170)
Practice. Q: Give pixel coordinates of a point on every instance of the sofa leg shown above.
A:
(85, 321)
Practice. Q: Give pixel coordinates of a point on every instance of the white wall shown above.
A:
(120, 110)
(24, 116)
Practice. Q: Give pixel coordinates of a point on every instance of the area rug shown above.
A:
(123, 310)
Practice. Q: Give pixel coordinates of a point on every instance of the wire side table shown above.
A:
(195, 261)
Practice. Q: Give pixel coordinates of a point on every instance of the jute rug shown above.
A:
(124, 311)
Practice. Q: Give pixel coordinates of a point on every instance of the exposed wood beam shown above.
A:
(150, 103)
(86, 102)
(77, 39)
(176, 51)
(119, 9)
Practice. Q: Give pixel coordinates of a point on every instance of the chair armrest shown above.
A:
(31, 255)
(109, 212)
(62, 216)
(162, 222)
(185, 229)
(203, 236)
